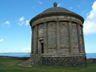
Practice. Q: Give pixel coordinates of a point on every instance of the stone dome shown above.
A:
(56, 11)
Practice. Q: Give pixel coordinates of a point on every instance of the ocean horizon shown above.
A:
(88, 55)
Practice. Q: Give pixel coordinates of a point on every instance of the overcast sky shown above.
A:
(15, 31)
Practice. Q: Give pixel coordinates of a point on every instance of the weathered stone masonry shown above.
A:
(57, 38)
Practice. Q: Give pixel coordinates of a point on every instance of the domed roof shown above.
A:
(55, 11)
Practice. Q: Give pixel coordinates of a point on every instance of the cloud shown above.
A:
(26, 22)
(21, 19)
(1, 40)
(90, 22)
(7, 22)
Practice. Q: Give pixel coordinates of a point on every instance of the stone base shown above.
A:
(76, 61)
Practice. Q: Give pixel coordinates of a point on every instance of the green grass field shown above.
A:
(7, 65)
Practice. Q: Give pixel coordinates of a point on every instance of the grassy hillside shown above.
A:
(8, 65)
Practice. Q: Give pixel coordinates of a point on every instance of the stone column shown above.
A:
(35, 39)
(39, 47)
(32, 39)
(81, 40)
(70, 36)
(57, 34)
(78, 32)
(83, 45)
(45, 38)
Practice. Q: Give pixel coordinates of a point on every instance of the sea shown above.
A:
(88, 55)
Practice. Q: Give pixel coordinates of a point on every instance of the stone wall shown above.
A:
(41, 30)
(63, 36)
(75, 47)
(75, 61)
(51, 37)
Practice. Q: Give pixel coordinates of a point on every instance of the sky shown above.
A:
(15, 31)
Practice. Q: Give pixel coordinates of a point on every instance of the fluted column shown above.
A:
(35, 40)
(57, 34)
(32, 39)
(70, 36)
(83, 45)
(81, 40)
(45, 38)
(78, 34)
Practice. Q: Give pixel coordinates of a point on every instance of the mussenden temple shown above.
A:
(57, 38)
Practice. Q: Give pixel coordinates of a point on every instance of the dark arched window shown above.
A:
(42, 46)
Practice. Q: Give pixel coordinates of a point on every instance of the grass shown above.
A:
(8, 65)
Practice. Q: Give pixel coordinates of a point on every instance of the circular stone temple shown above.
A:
(57, 38)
